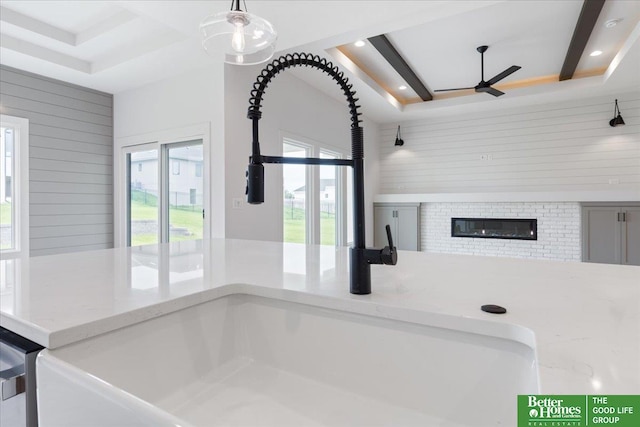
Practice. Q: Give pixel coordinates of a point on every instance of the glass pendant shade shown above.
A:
(242, 38)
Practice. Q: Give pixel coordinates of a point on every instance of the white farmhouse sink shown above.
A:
(243, 360)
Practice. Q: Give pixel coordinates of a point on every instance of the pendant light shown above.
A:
(617, 118)
(243, 38)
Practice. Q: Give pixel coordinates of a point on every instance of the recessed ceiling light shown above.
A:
(596, 53)
(359, 43)
(402, 87)
(612, 22)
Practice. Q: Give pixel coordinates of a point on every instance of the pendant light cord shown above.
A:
(236, 3)
(398, 136)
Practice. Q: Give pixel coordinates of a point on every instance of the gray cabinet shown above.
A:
(404, 219)
(611, 234)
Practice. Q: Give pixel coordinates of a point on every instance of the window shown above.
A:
(175, 167)
(140, 167)
(14, 186)
(313, 197)
(198, 170)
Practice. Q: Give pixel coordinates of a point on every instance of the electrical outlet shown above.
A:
(490, 157)
(614, 181)
(483, 157)
(237, 203)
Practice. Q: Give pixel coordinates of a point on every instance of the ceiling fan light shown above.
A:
(239, 37)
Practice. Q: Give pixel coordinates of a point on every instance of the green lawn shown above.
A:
(294, 226)
(5, 213)
(5, 219)
(183, 217)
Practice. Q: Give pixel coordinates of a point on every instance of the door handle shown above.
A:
(13, 386)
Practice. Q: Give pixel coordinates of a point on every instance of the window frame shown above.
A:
(158, 140)
(20, 183)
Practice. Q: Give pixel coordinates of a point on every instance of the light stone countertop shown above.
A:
(583, 319)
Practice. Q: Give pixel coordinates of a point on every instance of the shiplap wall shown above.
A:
(553, 147)
(70, 161)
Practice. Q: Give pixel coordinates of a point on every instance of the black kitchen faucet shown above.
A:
(360, 257)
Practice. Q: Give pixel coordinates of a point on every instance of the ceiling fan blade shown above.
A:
(458, 88)
(494, 92)
(503, 74)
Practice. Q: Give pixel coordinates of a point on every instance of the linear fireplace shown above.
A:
(495, 228)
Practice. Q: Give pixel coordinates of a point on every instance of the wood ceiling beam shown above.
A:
(586, 22)
(393, 57)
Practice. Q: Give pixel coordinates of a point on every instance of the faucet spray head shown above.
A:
(255, 184)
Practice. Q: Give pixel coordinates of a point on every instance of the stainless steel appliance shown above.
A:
(17, 380)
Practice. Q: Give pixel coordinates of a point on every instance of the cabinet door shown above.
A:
(406, 238)
(383, 215)
(631, 236)
(602, 236)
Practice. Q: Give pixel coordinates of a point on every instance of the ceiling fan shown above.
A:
(486, 86)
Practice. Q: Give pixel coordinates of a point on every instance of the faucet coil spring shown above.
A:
(307, 60)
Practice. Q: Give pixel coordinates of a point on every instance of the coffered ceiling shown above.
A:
(118, 45)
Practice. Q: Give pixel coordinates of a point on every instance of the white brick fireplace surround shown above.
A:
(558, 229)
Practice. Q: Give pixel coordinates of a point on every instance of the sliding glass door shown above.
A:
(185, 191)
(165, 191)
(142, 197)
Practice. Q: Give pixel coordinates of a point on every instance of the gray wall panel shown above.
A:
(70, 230)
(55, 110)
(40, 252)
(70, 161)
(63, 144)
(47, 85)
(69, 198)
(69, 166)
(59, 154)
(53, 99)
(69, 135)
(61, 122)
(64, 242)
(70, 188)
(51, 176)
(68, 209)
(57, 220)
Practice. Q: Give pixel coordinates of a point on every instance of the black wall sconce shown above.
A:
(617, 118)
(399, 141)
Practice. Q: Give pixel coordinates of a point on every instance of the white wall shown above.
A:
(219, 95)
(558, 230)
(193, 98)
(567, 146)
(291, 106)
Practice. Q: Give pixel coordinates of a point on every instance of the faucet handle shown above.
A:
(389, 237)
(388, 254)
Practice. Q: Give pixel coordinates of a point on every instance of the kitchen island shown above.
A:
(582, 319)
